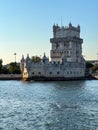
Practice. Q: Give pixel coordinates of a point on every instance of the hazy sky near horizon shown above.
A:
(26, 26)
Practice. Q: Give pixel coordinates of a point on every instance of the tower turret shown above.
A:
(22, 62)
(28, 62)
(45, 60)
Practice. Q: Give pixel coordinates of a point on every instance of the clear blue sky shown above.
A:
(26, 25)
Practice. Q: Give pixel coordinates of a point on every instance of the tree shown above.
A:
(4, 70)
(89, 65)
(95, 67)
(14, 68)
(1, 63)
(35, 59)
(1, 66)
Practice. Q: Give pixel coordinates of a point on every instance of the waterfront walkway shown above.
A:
(10, 76)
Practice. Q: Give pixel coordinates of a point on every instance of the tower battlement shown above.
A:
(66, 31)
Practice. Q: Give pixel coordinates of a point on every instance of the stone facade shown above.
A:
(66, 41)
(66, 62)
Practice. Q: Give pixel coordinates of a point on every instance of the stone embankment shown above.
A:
(10, 76)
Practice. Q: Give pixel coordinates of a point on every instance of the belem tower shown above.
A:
(67, 61)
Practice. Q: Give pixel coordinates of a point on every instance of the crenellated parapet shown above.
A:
(66, 31)
(57, 27)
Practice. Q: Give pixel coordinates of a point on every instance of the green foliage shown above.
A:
(14, 68)
(4, 70)
(1, 66)
(88, 65)
(95, 67)
(35, 59)
(1, 63)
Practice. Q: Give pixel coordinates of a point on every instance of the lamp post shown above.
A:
(15, 57)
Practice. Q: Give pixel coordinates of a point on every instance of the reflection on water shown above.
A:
(49, 105)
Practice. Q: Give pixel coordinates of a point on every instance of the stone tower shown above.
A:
(66, 41)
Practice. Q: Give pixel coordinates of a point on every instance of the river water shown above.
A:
(69, 105)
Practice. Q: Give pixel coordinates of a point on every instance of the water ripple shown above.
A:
(48, 106)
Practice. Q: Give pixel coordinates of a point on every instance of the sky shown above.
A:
(26, 26)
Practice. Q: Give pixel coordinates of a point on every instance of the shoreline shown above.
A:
(19, 77)
(10, 76)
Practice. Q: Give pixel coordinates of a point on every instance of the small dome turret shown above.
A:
(28, 58)
(22, 60)
(22, 63)
(28, 62)
(70, 25)
(45, 59)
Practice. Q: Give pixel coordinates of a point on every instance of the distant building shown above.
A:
(66, 62)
